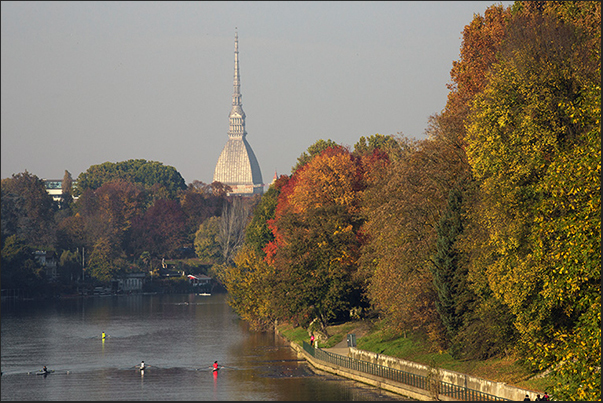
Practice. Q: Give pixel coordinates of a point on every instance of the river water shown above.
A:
(178, 336)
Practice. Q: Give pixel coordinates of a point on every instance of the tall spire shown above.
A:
(237, 116)
(237, 165)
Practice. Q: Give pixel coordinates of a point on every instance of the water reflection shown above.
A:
(178, 336)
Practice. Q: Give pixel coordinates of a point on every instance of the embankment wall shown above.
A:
(385, 384)
(499, 389)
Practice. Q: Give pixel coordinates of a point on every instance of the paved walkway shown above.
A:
(340, 348)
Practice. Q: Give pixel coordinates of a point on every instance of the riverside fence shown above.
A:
(428, 383)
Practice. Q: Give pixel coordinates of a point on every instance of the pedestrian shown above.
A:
(312, 341)
(526, 399)
(538, 397)
(545, 397)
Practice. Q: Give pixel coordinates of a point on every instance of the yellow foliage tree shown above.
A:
(534, 146)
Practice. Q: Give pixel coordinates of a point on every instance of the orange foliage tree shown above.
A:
(316, 239)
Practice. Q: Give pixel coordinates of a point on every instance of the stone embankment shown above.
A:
(499, 389)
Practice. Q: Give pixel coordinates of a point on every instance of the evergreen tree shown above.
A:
(448, 274)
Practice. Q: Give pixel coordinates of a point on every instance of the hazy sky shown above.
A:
(88, 82)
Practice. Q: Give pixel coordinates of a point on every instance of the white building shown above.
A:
(54, 187)
(237, 165)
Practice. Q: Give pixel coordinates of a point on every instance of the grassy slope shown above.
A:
(413, 348)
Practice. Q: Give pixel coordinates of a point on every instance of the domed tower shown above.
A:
(237, 166)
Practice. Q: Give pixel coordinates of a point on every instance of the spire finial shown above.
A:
(237, 116)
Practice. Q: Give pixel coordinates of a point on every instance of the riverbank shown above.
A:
(370, 337)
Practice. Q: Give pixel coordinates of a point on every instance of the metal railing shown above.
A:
(428, 383)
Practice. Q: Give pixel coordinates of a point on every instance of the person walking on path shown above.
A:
(312, 341)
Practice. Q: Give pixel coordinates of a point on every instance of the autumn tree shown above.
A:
(250, 284)
(201, 201)
(477, 326)
(534, 146)
(19, 268)
(390, 145)
(312, 151)
(401, 209)
(161, 229)
(316, 243)
(27, 209)
(70, 232)
(103, 222)
(404, 206)
(249, 279)
(257, 233)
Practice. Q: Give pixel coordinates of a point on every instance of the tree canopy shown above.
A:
(484, 237)
(150, 174)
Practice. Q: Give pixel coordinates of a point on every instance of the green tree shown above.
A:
(156, 178)
(207, 246)
(153, 173)
(449, 276)
(101, 265)
(66, 191)
(257, 233)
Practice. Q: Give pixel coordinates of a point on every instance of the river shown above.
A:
(178, 336)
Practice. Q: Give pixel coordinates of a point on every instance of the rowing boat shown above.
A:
(45, 372)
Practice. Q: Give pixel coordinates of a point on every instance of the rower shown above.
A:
(142, 365)
(216, 366)
(45, 370)
(103, 335)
